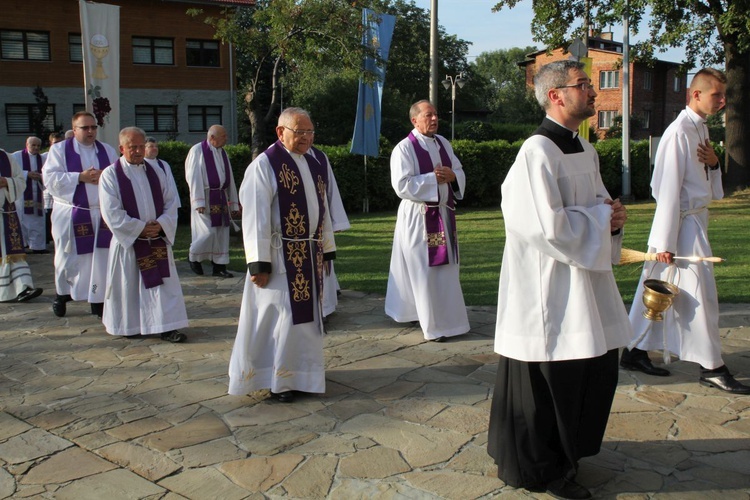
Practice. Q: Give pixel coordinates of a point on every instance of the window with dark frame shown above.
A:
(24, 45)
(647, 80)
(200, 118)
(203, 53)
(75, 47)
(156, 118)
(149, 50)
(19, 118)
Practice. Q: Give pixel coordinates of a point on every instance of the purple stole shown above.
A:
(152, 256)
(437, 248)
(217, 193)
(28, 195)
(297, 236)
(11, 225)
(83, 228)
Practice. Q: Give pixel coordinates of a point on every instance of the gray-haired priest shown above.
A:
(286, 226)
(139, 204)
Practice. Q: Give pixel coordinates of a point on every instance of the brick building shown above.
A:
(657, 92)
(175, 79)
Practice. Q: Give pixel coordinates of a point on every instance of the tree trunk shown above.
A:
(737, 161)
(257, 124)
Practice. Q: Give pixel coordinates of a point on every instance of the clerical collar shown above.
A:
(564, 138)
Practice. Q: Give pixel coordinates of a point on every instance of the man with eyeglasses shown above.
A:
(286, 226)
(686, 178)
(423, 281)
(560, 317)
(71, 174)
(213, 198)
(140, 207)
(31, 206)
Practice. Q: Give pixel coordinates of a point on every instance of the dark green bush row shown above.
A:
(486, 165)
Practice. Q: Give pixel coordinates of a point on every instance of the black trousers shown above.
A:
(545, 416)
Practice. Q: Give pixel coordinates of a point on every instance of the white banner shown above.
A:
(100, 39)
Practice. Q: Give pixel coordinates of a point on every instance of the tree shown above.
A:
(711, 31)
(508, 97)
(285, 34)
(39, 115)
(330, 92)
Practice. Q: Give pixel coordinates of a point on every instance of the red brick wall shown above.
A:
(137, 17)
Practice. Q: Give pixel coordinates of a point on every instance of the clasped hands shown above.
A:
(619, 214)
(444, 174)
(152, 230)
(90, 176)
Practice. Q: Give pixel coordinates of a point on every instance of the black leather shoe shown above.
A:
(725, 382)
(439, 339)
(222, 274)
(58, 306)
(638, 360)
(97, 309)
(283, 397)
(173, 336)
(196, 267)
(28, 294)
(565, 488)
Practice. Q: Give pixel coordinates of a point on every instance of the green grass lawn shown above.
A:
(364, 251)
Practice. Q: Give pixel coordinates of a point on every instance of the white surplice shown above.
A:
(34, 226)
(83, 276)
(208, 243)
(170, 177)
(417, 291)
(15, 275)
(558, 299)
(339, 222)
(683, 188)
(129, 307)
(270, 352)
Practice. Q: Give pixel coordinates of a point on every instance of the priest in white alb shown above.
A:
(138, 202)
(31, 205)
(423, 281)
(71, 175)
(287, 233)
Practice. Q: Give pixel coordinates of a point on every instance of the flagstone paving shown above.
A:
(88, 416)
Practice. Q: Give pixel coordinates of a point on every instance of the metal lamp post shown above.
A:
(450, 82)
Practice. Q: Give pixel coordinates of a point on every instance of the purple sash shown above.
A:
(11, 225)
(296, 234)
(437, 248)
(161, 165)
(28, 195)
(217, 193)
(152, 256)
(83, 228)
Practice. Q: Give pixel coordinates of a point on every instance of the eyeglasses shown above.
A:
(88, 127)
(301, 133)
(583, 86)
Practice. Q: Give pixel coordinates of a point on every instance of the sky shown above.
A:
(474, 21)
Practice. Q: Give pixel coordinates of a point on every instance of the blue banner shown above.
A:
(376, 34)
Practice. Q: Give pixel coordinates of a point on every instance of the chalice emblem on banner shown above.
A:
(100, 49)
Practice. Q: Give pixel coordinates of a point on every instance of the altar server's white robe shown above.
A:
(339, 222)
(129, 307)
(269, 351)
(417, 291)
(683, 190)
(558, 299)
(34, 226)
(208, 243)
(15, 275)
(83, 277)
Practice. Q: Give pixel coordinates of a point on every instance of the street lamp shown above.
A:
(450, 82)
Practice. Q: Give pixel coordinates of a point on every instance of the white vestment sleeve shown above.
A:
(534, 212)
(257, 193)
(194, 176)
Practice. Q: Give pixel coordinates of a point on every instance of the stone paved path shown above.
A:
(87, 416)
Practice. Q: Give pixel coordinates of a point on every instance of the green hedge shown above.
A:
(486, 164)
